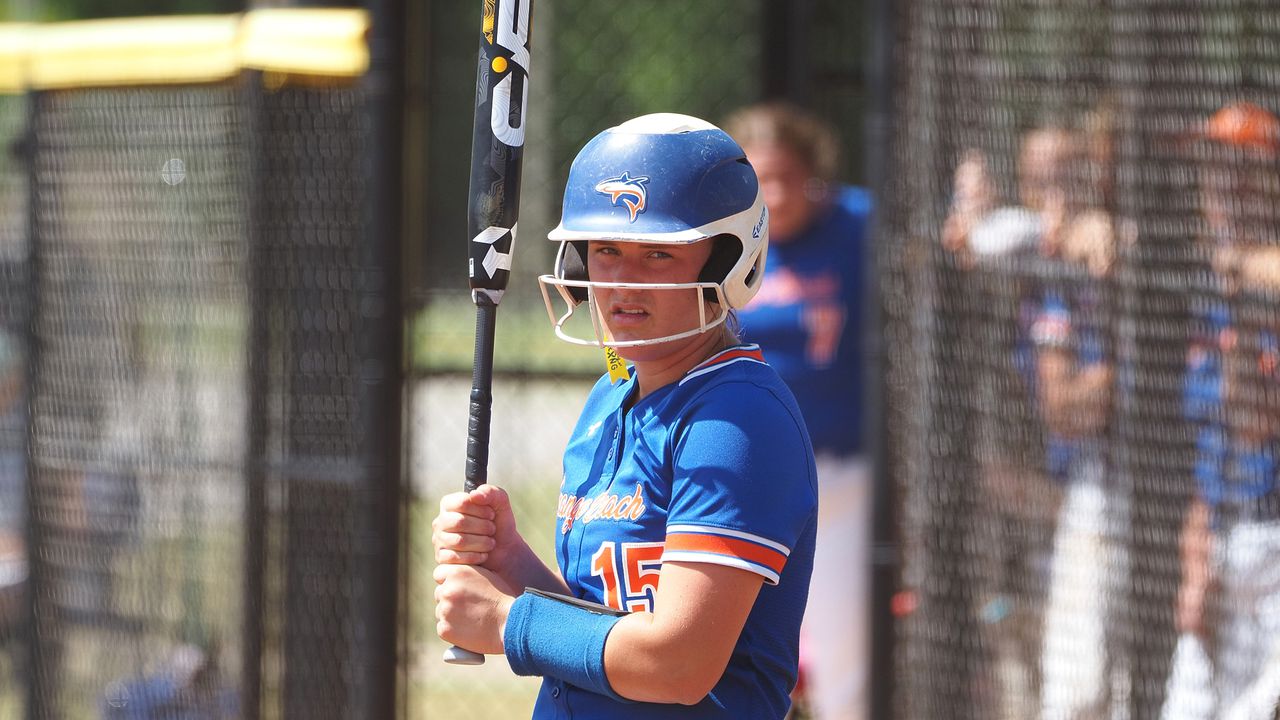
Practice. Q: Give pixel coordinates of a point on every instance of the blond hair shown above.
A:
(811, 139)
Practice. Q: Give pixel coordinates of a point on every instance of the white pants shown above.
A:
(1087, 572)
(836, 634)
(1237, 675)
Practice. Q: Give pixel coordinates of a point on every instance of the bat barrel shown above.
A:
(497, 143)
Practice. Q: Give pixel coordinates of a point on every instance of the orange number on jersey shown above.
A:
(643, 562)
(638, 583)
(604, 565)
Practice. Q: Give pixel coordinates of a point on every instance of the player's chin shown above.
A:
(651, 350)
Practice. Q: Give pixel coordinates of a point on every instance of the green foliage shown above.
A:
(614, 62)
(49, 10)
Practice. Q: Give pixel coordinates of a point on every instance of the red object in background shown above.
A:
(1245, 125)
(903, 603)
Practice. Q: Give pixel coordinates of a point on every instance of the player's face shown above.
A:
(646, 313)
(1238, 191)
(791, 192)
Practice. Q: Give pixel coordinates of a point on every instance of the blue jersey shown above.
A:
(715, 468)
(1071, 322)
(808, 319)
(1226, 471)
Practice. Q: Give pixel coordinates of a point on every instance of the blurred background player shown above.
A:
(1054, 393)
(1074, 383)
(13, 500)
(808, 320)
(1018, 502)
(1227, 661)
(689, 497)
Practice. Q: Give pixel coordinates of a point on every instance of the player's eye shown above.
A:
(660, 255)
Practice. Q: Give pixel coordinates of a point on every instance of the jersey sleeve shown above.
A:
(1052, 327)
(744, 487)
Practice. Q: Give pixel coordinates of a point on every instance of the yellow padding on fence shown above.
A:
(183, 49)
(14, 48)
(134, 52)
(325, 42)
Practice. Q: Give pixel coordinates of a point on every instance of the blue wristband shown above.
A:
(556, 639)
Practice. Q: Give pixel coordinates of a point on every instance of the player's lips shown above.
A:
(624, 315)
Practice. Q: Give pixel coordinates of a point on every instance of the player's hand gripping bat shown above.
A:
(493, 206)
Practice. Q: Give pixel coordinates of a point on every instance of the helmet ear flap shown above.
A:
(573, 266)
(725, 251)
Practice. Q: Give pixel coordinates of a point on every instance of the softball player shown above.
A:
(688, 504)
(807, 317)
(1227, 661)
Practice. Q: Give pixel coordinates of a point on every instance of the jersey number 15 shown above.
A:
(633, 588)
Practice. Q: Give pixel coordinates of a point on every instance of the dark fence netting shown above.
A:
(1079, 258)
(137, 394)
(200, 481)
(195, 468)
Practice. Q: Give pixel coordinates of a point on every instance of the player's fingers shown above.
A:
(442, 539)
(451, 579)
(444, 556)
(496, 498)
(443, 573)
(462, 524)
(462, 542)
(491, 496)
(464, 504)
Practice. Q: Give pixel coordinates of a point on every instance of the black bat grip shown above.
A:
(481, 406)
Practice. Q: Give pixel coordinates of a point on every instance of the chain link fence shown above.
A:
(1078, 260)
(195, 517)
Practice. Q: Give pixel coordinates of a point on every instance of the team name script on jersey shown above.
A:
(601, 507)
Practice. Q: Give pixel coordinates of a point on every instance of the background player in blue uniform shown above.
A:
(689, 497)
(1227, 661)
(807, 318)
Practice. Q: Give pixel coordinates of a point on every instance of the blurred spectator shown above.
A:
(808, 319)
(1058, 347)
(188, 685)
(1074, 377)
(12, 484)
(1015, 495)
(1227, 661)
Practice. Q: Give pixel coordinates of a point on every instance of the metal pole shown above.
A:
(885, 553)
(785, 39)
(257, 426)
(380, 345)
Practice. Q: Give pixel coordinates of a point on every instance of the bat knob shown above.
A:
(459, 656)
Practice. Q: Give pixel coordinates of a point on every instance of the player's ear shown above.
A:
(725, 251)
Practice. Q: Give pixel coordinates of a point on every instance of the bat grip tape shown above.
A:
(555, 639)
(481, 399)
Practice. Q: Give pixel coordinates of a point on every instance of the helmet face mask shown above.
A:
(661, 179)
(710, 314)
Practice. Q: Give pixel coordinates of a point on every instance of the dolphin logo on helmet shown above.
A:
(630, 190)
